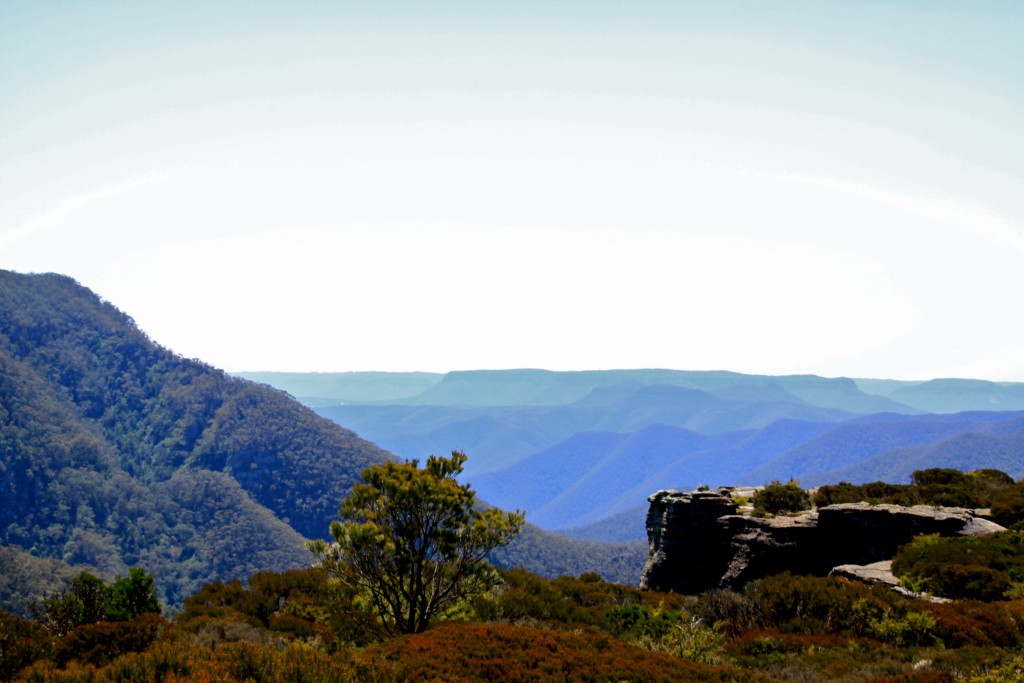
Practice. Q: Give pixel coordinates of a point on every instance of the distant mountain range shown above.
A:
(544, 387)
(580, 451)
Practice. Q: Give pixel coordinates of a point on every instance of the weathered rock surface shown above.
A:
(880, 573)
(682, 530)
(876, 572)
(697, 541)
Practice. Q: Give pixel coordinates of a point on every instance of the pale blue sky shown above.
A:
(777, 187)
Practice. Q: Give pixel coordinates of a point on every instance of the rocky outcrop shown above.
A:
(874, 573)
(697, 541)
(880, 573)
(682, 529)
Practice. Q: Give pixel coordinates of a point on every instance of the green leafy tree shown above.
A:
(92, 595)
(85, 603)
(131, 596)
(411, 541)
(90, 600)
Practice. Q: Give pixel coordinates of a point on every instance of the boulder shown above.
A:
(880, 573)
(876, 572)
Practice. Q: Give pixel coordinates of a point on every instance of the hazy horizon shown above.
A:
(798, 187)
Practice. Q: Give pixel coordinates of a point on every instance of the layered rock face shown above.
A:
(697, 541)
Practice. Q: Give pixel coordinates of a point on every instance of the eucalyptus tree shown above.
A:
(412, 541)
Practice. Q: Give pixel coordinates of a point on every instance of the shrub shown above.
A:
(677, 633)
(777, 497)
(1008, 507)
(689, 638)
(183, 661)
(968, 623)
(504, 653)
(911, 628)
(979, 568)
(875, 492)
(726, 610)
(570, 602)
(808, 604)
(100, 643)
(950, 487)
(936, 486)
(300, 603)
(1010, 672)
(21, 643)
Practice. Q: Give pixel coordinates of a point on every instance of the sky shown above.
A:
(781, 187)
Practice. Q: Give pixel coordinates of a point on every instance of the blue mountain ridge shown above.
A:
(497, 437)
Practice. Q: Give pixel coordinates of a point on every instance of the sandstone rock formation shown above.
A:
(876, 572)
(697, 541)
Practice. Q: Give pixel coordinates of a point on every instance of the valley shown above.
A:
(581, 451)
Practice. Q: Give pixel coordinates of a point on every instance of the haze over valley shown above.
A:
(573, 448)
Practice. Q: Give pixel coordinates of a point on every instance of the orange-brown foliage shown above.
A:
(518, 654)
(969, 622)
(101, 642)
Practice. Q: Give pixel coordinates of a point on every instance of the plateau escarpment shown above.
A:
(698, 542)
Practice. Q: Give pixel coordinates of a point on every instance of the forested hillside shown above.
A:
(115, 452)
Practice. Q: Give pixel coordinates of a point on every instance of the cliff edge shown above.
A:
(697, 541)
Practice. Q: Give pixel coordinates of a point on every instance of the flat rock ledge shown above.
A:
(880, 573)
(876, 572)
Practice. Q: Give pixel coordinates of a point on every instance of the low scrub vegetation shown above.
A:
(778, 498)
(299, 625)
(986, 568)
(305, 625)
(986, 488)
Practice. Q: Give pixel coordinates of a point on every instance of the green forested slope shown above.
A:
(23, 577)
(116, 452)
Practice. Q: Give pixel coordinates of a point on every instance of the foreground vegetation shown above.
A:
(412, 542)
(299, 625)
(316, 624)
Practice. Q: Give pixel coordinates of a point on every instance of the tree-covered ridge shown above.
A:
(115, 452)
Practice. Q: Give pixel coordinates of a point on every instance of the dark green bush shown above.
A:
(638, 620)
(1008, 507)
(936, 486)
(977, 568)
(875, 492)
(809, 604)
(777, 497)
